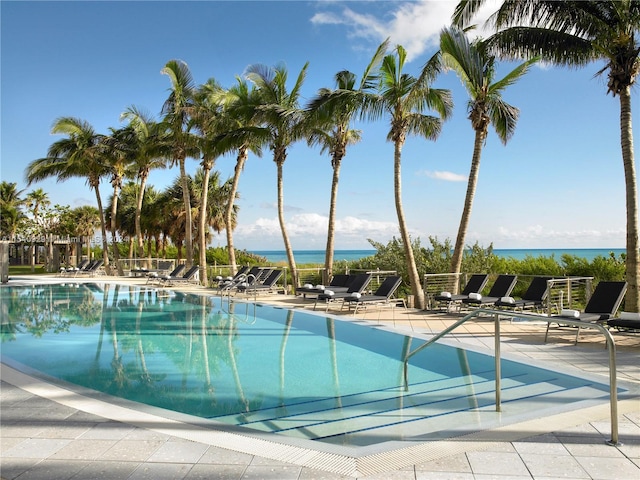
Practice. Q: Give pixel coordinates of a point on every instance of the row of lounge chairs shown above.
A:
(85, 267)
(254, 280)
(601, 306)
(176, 276)
(347, 290)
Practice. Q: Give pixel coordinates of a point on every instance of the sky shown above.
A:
(558, 183)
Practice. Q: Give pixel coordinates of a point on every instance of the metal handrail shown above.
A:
(611, 347)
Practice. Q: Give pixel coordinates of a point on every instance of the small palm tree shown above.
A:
(11, 204)
(575, 34)
(279, 113)
(477, 70)
(404, 98)
(333, 112)
(80, 154)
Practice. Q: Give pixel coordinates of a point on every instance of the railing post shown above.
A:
(497, 361)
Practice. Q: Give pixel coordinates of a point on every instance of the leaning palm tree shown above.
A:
(575, 34)
(240, 133)
(404, 98)
(476, 68)
(279, 112)
(182, 141)
(80, 154)
(333, 111)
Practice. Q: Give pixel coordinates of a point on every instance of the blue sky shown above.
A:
(558, 183)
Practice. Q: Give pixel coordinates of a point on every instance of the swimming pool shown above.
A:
(267, 369)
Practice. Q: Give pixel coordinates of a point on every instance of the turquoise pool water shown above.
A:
(269, 369)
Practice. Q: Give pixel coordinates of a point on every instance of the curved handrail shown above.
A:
(611, 347)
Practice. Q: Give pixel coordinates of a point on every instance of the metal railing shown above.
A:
(611, 347)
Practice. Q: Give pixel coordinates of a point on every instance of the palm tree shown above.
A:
(476, 68)
(86, 221)
(79, 155)
(574, 34)
(36, 200)
(242, 135)
(148, 147)
(182, 142)
(279, 112)
(404, 98)
(334, 110)
(10, 208)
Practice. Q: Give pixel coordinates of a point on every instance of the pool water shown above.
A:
(269, 369)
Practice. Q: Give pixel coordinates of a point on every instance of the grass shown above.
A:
(26, 270)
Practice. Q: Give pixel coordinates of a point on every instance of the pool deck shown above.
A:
(50, 433)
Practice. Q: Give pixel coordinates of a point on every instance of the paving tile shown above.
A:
(14, 467)
(84, 450)
(600, 468)
(161, 471)
(53, 470)
(497, 463)
(420, 475)
(132, 450)
(271, 472)
(178, 452)
(454, 463)
(36, 448)
(593, 450)
(222, 456)
(108, 431)
(104, 470)
(550, 465)
(217, 472)
(313, 474)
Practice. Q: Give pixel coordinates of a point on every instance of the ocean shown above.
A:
(317, 256)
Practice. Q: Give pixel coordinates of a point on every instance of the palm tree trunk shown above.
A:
(456, 261)
(328, 260)
(633, 254)
(283, 228)
(139, 200)
(203, 223)
(103, 228)
(114, 233)
(188, 228)
(240, 161)
(414, 277)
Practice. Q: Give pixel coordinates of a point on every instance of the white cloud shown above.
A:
(446, 176)
(309, 231)
(539, 236)
(414, 25)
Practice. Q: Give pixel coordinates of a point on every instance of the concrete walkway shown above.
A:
(47, 433)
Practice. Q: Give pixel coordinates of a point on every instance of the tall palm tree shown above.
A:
(280, 114)
(182, 141)
(575, 34)
(476, 68)
(11, 204)
(148, 147)
(334, 111)
(242, 136)
(404, 98)
(80, 154)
